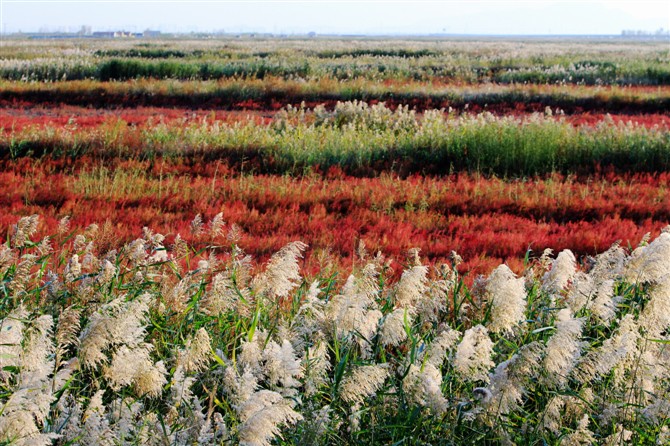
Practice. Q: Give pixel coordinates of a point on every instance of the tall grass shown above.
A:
(365, 139)
(270, 92)
(589, 63)
(156, 345)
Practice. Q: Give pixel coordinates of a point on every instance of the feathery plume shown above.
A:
(116, 323)
(239, 388)
(563, 348)
(22, 274)
(620, 436)
(348, 316)
(412, 287)
(363, 382)
(90, 262)
(72, 269)
(44, 247)
(18, 422)
(137, 252)
(96, 430)
(444, 341)
(663, 436)
(216, 225)
(281, 365)
(365, 329)
(134, 366)
(197, 226)
(282, 273)
(655, 317)
(551, 419)
(562, 271)
(310, 318)
(581, 292)
(224, 296)
(581, 436)
(195, 355)
(7, 258)
(25, 228)
(615, 351)
(123, 414)
(69, 421)
(251, 354)
(603, 305)
(181, 386)
(361, 250)
(179, 248)
(261, 417)
(367, 284)
(508, 300)
(473, 355)
(36, 367)
(64, 225)
(28, 405)
(79, 243)
(508, 379)
(430, 307)
(317, 365)
(545, 260)
(609, 264)
(107, 273)
(53, 284)
(658, 411)
(422, 385)
(649, 263)
(234, 234)
(393, 327)
(177, 296)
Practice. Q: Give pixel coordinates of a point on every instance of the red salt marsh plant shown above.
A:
(34, 117)
(488, 220)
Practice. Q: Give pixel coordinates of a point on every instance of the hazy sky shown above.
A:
(340, 16)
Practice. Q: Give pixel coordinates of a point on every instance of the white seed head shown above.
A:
(473, 355)
(507, 294)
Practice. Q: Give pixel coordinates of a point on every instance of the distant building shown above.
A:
(123, 34)
(151, 33)
(114, 34)
(103, 34)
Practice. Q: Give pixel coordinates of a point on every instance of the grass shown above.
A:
(370, 362)
(623, 62)
(272, 92)
(365, 140)
(116, 334)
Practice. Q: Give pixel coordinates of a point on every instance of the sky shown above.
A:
(492, 17)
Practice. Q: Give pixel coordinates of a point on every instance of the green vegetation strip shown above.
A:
(365, 140)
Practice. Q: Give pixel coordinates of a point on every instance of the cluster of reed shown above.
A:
(362, 138)
(167, 345)
(593, 63)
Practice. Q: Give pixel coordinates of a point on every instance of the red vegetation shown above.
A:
(86, 119)
(486, 220)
